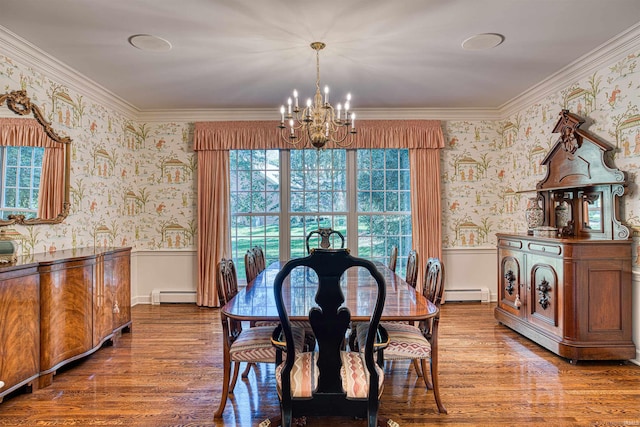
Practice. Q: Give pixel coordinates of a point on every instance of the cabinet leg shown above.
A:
(45, 380)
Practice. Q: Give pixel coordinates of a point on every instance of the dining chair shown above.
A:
(261, 262)
(252, 345)
(250, 265)
(329, 380)
(411, 275)
(325, 238)
(409, 342)
(393, 258)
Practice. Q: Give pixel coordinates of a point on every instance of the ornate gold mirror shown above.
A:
(34, 166)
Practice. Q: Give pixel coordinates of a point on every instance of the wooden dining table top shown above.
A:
(257, 300)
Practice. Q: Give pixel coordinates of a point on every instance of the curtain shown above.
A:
(29, 133)
(423, 138)
(426, 210)
(213, 222)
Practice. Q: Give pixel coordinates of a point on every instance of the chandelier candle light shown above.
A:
(318, 123)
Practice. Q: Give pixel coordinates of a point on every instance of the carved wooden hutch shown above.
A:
(571, 292)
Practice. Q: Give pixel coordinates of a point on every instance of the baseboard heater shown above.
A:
(464, 295)
(161, 296)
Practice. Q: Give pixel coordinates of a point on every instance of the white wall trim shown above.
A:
(601, 56)
(21, 50)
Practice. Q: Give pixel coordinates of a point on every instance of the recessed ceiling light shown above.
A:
(149, 43)
(482, 41)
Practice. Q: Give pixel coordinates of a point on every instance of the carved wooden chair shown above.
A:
(325, 235)
(409, 342)
(261, 262)
(250, 265)
(252, 345)
(393, 258)
(329, 381)
(411, 275)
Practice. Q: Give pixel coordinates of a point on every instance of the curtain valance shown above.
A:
(250, 135)
(25, 133)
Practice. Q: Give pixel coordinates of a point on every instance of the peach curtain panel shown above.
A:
(423, 138)
(426, 211)
(213, 222)
(29, 133)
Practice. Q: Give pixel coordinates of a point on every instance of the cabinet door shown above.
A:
(20, 331)
(544, 293)
(102, 302)
(66, 312)
(121, 282)
(510, 284)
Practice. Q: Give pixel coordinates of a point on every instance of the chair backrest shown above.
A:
(393, 258)
(250, 265)
(228, 286)
(325, 241)
(411, 276)
(433, 289)
(227, 289)
(330, 322)
(433, 284)
(261, 263)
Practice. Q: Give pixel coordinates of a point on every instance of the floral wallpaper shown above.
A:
(485, 163)
(133, 183)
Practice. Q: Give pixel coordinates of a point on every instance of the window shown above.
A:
(384, 204)
(20, 179)
(278, 197)
(255, 204)
(318, 193)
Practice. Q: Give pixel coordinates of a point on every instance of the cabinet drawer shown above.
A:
(543, 248)
(513, 244)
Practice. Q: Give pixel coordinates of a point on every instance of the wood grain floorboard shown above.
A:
(168, 372)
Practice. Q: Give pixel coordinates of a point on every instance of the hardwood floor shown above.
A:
(168, 370)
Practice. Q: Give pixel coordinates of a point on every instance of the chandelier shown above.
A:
(318, 123)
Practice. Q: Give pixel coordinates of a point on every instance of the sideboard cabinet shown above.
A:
(59, 307)
(566, 283)
(571, 296)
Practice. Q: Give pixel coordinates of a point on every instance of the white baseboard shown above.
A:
(163, 296)
(463, 295)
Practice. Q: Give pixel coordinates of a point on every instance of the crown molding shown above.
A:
(203, 115)
(603, 55)
(20, 50)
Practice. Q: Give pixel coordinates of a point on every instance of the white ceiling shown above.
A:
(253, 53)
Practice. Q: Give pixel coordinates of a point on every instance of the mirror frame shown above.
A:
(18, 102)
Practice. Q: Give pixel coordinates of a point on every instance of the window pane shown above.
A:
(258, 181)
(377, 180)
(377, 159)
(11, 177)
(391, 157)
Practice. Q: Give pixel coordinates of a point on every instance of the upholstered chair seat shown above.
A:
(253, 345)
(354, 375)
(405, 341)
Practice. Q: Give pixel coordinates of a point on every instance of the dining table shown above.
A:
(256, 302)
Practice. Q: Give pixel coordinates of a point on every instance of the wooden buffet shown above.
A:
(56, 308)
(569, 287)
